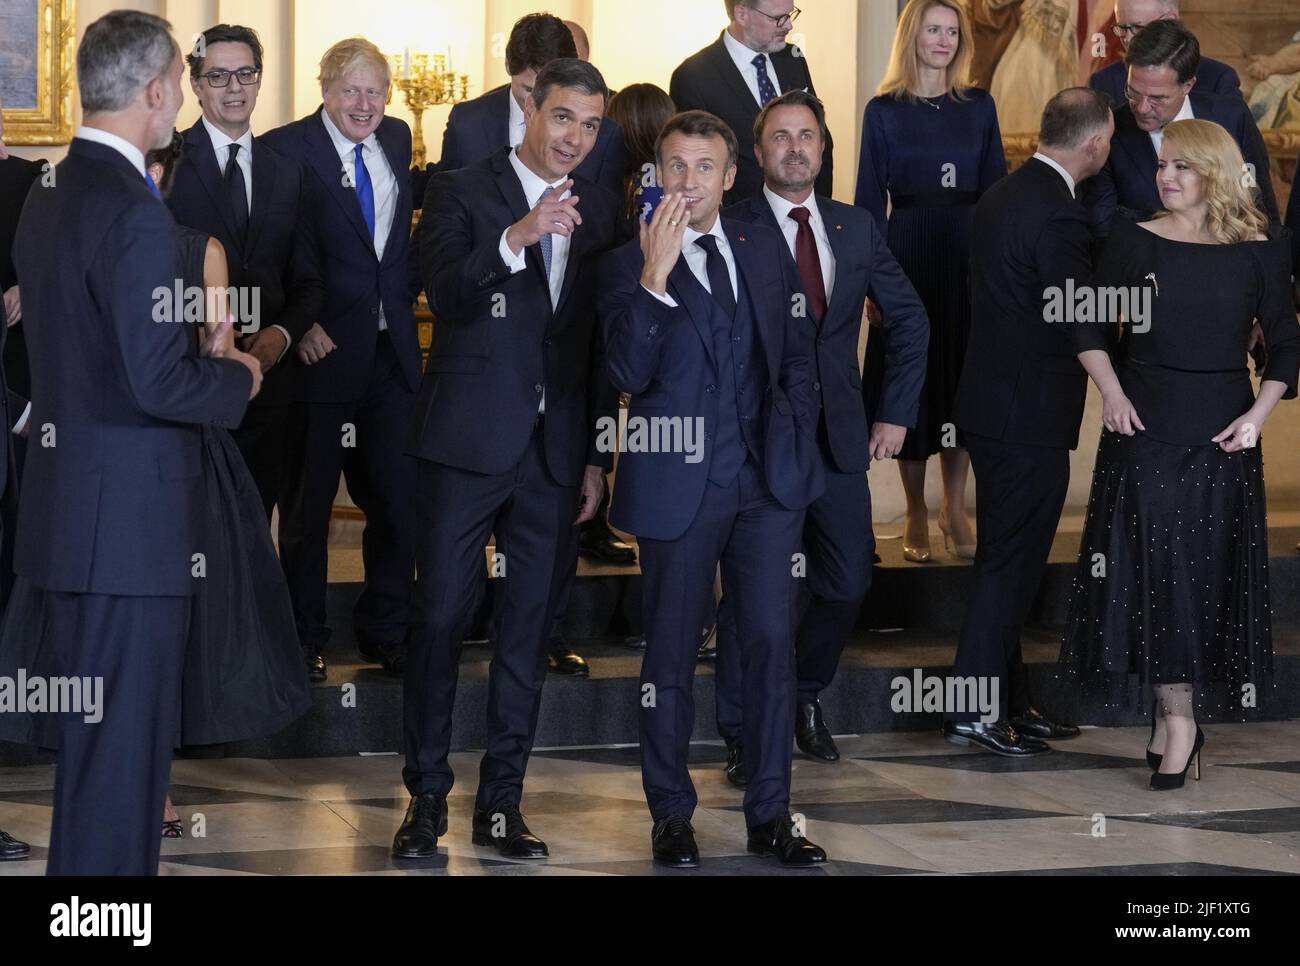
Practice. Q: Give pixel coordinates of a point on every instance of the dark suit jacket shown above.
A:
(114, 494)
(1212, 77)
(708, 80)
(1127, 185)
(476, 129)
(1293, 223)
(864, 267)
(1021, 381)
(17, 175)
(664, 357)
(275, 258)
(498, 343)
(340, 250)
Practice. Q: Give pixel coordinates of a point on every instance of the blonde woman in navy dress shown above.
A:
(1172, 580)
(930, 147)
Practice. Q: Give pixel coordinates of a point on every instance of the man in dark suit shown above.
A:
(1020, 402)
(1162, 61)
(1212, 76)
(737, 74)
(476, 129)
(356, 392)
(841, 260)
(508, 250)
(239, 191)
(705, 326)
(111, 520)
(16, 178)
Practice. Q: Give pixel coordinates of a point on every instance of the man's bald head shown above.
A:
(579, 39)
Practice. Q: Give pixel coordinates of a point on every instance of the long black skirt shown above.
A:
(1171, 585)
(243, 672)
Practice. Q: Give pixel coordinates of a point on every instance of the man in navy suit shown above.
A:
(841, 259)
(361, 358)
(735, 76)
(239, 191)
(1212, 76)
(111, 517)
(476, 129)
(706, 328)
(505, 439)
(1162, 61)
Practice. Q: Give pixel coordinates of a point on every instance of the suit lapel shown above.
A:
(749, 277)
(687, 292)
(513, 193)
(325, 161)
(204, 158)
(726, 68)
(788, 75)
(388, 143)
(496, 124)
(264, 179)
(840, 249)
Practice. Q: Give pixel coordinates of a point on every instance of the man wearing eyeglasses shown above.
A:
(1162, 61)
(1212, 76)
(233, 187)
(736, 76)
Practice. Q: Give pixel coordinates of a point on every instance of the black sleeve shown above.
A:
(1276, 314)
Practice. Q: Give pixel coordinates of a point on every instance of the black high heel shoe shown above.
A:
(1152, 758)
(1161, 782)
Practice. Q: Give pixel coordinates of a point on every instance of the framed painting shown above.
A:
(37, 60)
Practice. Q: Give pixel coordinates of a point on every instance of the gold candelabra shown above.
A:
(425, 82)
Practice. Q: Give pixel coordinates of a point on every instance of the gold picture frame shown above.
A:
(50, 120)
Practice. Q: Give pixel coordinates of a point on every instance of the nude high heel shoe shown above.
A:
(964, 551)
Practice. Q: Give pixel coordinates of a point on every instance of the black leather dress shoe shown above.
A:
(600, 543)
(506, 831)
(672, 841)
(1032, 724)
(391, 656)
(811, 734)
(997, 737)
(561, 659)
(315, 664)
(735, 770)
(426, 819)
(635, 643)
(11, 850)
(779, 837)
(709, 645)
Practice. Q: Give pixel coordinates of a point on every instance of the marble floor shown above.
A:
(896, 804)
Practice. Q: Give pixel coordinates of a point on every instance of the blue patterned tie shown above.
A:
(365, 190)
(545, 242)
(153, 187)
(766, 89)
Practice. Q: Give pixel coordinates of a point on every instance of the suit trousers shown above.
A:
(838, 546)
(742, 526)
(455, 511)
(366, 442)
(1019, 493)
(111, 781)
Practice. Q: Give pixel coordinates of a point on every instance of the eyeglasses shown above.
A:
(1133, 97)
(248, 76)
(1122, 30)
(785, 20)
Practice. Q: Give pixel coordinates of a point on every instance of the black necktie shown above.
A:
(238, 193)
(719, 277)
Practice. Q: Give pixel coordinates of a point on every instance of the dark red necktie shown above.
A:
(809, 263)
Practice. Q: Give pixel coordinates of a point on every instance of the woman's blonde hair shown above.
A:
(1209, 150)
(903, 76)
(348, 54)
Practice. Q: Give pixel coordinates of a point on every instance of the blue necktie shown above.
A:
(153, 187)
(365, 190)
(766, 89)
(546, 241)
(718, 275)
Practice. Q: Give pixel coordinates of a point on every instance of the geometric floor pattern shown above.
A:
(896, 804)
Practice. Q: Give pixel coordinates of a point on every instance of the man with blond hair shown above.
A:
(360, 360)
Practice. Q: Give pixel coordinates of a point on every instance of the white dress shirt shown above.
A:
(221, 143)
(517, 122)
(1184, 114)
(744, 58)
(120, 145)
(533, 187)
(1051, 163)
(790, 229)
(382, 180)
(697, 260)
